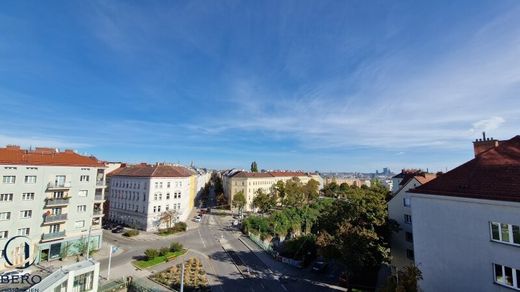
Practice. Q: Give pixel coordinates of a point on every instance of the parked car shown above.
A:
(118, 229)
(235, 223)
(197, 218)
(319, 267)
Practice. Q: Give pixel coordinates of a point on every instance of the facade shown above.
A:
(54, 198)
(140, 194)
(466, 223)
(251, 182)
(349, 181)
(399, 209)
(81, 276)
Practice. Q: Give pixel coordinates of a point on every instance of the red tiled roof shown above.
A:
(147, 170)
(45, 156)
(492, 175)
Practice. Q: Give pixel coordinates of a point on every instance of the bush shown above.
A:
(180, 226)
(151, 253)
(163, 251)
(131, 233)
(175, 246)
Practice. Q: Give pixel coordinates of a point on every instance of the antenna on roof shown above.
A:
(483, 136)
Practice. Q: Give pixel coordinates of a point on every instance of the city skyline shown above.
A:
(296, 85)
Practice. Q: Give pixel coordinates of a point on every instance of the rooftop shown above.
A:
(156, 170)
(491, 175)
(14, 155)
(269, 174)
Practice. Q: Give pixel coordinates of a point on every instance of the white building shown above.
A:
(140, 194)
(399, 209)
(51, 197)
(81, 276)
(466, 223)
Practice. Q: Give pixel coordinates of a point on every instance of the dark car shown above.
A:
(118, 229)
(319, 267)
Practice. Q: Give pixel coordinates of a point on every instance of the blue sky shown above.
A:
(312, 85)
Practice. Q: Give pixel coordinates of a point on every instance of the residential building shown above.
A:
(250, 182)
(140, 194)
(466, 222)
(81, 276)
(54, 198)
(399, 209)
(349, 181)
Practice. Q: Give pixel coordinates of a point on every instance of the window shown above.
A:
(26, 214)
(30, 179)
(160, 185)
(23, 231)
(505, 233)
(28, 197)
(158, 208)
(409, 236)
(83, 193)
(406, 202)
(408, 219)
(9, 179)
(507, 276)
(58, 195)
(6, 197)
(84, 178)
(154, 209)
(168, 184)
(79, 224)
(155, 197)
(3, 234)
(82, 208)
(5, 215)
(410, 254)
(167, 196)
(83, 282)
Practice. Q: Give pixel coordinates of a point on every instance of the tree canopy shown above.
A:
(239, 200)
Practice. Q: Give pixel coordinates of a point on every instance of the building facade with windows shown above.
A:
(141, 194)
(399, 209)
(54, 198)
(250, 182)
(466, 223)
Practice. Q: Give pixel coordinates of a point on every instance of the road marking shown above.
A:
(202, 239)
(283, 286)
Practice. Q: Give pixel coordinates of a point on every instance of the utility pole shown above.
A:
(182, 277)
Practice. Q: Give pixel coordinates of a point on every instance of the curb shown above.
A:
(255, 253)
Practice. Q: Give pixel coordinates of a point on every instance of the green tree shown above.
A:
(239, 200)
(263, 201)
(279, 191)
(168, 217)
(254, 167)
(405, 280)
(311, 190)
(294, 196)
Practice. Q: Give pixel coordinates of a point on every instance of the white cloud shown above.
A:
(488, 124)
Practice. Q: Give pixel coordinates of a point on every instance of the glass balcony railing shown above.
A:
(56, 202)
(55, 218)
(57, 185)
(53, 235)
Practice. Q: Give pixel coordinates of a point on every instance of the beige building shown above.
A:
(53, 198)
(349, 181)
(250, 182)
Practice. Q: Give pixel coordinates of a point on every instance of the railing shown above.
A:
(98, 212)
(100, 183)
(58, 185)
(57, 201)
(53, 235)
(98, 197)
(54, 218)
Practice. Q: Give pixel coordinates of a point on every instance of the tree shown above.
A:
(294, 196)
(168, 217)
(239, 200)
(278, 191)
(405, 281)
(263, 201)
(311, 190)
(254, 167)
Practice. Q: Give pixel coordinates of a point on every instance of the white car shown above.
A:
(235, 223)
(197, 218)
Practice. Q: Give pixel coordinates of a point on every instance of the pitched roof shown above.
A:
(492, 175)
(14, 155)
(147, 170)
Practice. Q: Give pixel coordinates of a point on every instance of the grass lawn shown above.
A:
(143, 264)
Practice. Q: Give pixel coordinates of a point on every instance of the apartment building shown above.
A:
(399, 209)
(235, 181)
(140, 194)
(54, 198)
(466, 222)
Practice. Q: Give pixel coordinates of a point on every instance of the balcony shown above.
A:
(100, 183)
(54, 218)
(98, 213)
(53, 202)
(53, 235)
(58, 186)
(98, 198)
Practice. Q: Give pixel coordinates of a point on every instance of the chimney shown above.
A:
(484, 144)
